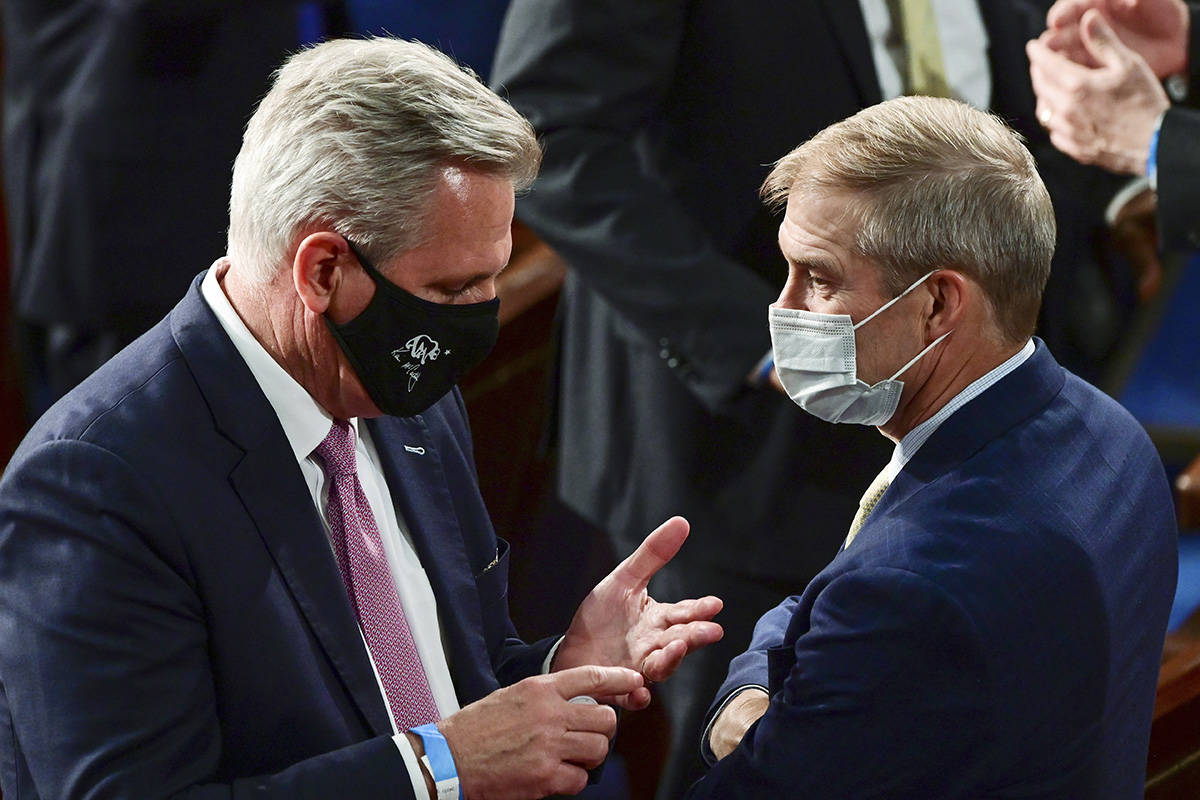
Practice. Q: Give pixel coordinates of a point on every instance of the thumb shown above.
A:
(1099, 39)
(654, 552)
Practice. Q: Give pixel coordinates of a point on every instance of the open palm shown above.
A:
(619, 624)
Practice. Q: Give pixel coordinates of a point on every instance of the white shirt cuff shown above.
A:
(549, 659)
(1129, 191)
(413, 764)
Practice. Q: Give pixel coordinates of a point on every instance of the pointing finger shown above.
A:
(595, 681)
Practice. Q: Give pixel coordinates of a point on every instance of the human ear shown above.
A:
(952, 293)
(321, 266)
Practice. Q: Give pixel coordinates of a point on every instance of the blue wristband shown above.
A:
(1152, 158)
(765, 373)
(439, 761)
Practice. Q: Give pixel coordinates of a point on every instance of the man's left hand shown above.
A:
(1103, 115)
(618, 624)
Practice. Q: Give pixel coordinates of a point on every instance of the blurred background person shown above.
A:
(1097, 70)
(120, 119)
(464, 29)
(660, 121)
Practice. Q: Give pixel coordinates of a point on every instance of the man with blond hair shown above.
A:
(993, 623)
(248, 556)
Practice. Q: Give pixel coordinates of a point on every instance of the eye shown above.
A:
(467, 292)
(455, 291)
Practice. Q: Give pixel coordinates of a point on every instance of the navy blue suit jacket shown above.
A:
(994, 630)
(172, 622)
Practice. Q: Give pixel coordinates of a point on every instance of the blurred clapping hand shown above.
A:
(1096, 74)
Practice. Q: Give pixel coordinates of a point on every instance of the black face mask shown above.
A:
(408, 352)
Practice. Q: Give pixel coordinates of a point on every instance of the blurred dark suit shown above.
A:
(121, 118)
(1179, 158)
(659, 121)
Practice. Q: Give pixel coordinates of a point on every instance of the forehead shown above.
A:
(819, 224)
(467, 227)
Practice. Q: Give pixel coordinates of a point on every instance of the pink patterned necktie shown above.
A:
(370, 585)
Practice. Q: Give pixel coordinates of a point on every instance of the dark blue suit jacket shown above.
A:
(994, 631)
(172, 622)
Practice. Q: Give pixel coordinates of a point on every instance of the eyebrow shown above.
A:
(818, 264)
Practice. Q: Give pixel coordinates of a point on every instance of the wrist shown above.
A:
(731, 723)
(437, 762)
(569, 653)
(418, 748)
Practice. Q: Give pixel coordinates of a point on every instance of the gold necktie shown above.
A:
(925, 70)
(867, 504)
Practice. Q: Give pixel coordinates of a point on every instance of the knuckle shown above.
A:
(571, 781)
(544, 773)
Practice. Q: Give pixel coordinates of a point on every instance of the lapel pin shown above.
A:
(418, 450)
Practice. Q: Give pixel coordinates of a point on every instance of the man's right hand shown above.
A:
(528, 741)
(1157, 30)
(735, 719)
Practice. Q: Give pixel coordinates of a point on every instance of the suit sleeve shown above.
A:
(885, 697)
(1179, 179)
(104, 658)
(751, 668)
(1179, 157)
(592, 78)
(1193, 73)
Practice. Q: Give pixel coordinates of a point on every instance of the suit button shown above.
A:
(672, 362)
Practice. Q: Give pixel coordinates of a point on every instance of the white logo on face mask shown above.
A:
(422, 348)
(816, 361)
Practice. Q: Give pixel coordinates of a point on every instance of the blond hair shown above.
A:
(935, 184)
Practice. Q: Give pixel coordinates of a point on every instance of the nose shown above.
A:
(793, 294)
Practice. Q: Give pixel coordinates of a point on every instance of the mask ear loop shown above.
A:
(893, 301)
(917, 357)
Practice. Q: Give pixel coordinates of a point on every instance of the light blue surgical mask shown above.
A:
(815, 358)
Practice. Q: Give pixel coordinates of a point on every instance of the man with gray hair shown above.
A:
(992, 626)
(248, 556)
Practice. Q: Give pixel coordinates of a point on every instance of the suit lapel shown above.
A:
(412, 466)
(846, 22)
(1013, 399)
(270, 485)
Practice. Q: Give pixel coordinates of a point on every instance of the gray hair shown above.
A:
(935, 184)
(353, 137)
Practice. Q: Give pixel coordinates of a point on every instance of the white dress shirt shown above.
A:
(964, 43)
(306, 424)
